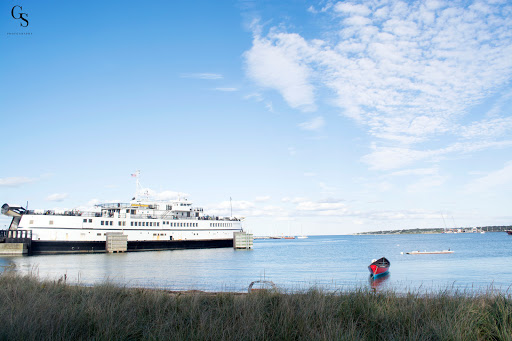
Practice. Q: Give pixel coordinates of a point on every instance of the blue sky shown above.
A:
(326, 117)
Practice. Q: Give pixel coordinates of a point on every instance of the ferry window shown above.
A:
(131, 223)
(119, 223)
(110, 223)
(124, 223)
(127, 211)
(102, 222)
(90, 220)
(98, 234)
(157, 224)
(85, 220)
(51, 222)
(133, 211)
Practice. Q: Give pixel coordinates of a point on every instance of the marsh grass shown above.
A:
(34, 309)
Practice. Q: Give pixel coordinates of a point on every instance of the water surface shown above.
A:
(330, 262)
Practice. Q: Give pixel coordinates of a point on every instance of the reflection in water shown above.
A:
(377, 282)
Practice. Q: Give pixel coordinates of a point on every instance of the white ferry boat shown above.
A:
(148, 225)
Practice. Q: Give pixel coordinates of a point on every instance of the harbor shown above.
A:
(329, 262)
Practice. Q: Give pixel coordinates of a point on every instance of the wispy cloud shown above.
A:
(314, 124)
(164, 195)
(499, 178)
(204, 75)
(417, 171)
(407, 71)
(388, 158)
(277, 63)
(262, 198)
(15, 181)
(57, 197)
(226, 89)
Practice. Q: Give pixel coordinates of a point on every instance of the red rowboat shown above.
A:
(379, 267)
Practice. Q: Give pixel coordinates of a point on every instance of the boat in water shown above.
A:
(509, 232)
(379, 267)
(145, 224)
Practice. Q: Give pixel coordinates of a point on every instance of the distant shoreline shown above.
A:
(462, 230)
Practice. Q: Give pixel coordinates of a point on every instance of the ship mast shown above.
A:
(138, 187)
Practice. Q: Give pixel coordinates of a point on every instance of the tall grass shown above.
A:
(32, 309)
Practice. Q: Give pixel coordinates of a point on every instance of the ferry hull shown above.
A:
(56, 247)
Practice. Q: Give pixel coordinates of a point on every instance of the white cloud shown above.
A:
(204, 75)
(321, 208)
(163, 195)
(493, 180)
(262, 198)
(417, 171)
(15, 181)
(488, 128)
(226, 89)
(350, 8)
(407, 71)
(57, 197)
(388, 158)
(314, 124)
(276, 62)
(427, 183)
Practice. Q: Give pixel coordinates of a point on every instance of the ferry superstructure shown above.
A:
(148, 225)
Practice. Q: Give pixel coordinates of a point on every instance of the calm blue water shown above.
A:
(330, 262)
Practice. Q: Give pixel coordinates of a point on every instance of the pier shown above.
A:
(243, 240)
(15, 242)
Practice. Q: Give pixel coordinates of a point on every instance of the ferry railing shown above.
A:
(65, 213)
(3, 235)
(19, 236)
(125, 215)
(115, 205)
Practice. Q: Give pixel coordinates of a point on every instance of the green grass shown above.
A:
(32, 309)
